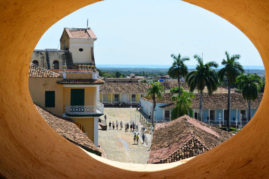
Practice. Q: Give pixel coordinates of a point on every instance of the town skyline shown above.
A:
(148, 32)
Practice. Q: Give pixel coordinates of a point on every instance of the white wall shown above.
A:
(85, 55)
(147, 108)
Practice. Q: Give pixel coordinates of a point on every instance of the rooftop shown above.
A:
(69, 131)
(215, 101)
(39, 72)
(122, 80)
(182, 138)
(83, 33)
(124, 87)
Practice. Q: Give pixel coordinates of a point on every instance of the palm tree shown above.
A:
(203, 76)
(155, 91)
(178, 69)
(249, 84)
(229, 72)
(183, 104)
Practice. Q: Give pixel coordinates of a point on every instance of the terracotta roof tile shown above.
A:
(80, 33)
(170, 139)
(120, 88)
(216, 101)
(70, 131)
(38, 72)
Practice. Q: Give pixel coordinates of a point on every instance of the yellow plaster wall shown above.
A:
(29, 148)
(37, 88)
(88, 126)
(137, 97)
(79, 75)
(109, 97)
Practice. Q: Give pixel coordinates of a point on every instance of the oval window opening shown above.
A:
(161, 95)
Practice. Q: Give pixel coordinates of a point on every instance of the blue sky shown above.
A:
(146, 32)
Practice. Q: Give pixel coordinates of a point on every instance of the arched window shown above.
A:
(35, 62)
(56, 64)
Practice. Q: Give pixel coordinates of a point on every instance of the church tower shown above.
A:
(80, 43)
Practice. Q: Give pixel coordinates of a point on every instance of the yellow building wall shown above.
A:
(38, 86)
(109, 97)
(138, 97)
(113, 97)
(78, 75)
(88, 126)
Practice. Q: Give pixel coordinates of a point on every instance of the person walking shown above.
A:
(117, 124)
(109, 124)
(134, 137)
(120, 125)
(137, 138)
(113, 125)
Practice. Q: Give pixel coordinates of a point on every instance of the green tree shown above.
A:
(203, 76)
(155, 91)
(183, 104)
(262, 85)
(100, 72)
(117, 74)
(228, 73)
(178, 69)
(249, 84)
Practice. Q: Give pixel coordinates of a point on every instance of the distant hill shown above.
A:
(161, 70)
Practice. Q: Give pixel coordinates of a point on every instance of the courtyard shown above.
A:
(117, 144)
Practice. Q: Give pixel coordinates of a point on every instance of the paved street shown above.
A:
(118, 145)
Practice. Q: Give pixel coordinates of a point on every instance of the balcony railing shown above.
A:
(85, 110)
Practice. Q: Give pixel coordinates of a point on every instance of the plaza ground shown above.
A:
(118, 145)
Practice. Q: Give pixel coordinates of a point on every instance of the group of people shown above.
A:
(136, 138)
(132, 126)
(115, 125)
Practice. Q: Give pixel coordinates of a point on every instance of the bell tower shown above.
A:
(80, 43)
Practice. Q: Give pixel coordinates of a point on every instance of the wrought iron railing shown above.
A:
(85, 110)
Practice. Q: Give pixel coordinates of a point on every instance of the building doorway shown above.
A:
(77, 97)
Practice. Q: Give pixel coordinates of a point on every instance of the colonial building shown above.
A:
(122, 91)
(66, 83)
(214, 108)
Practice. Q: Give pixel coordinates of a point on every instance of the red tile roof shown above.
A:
(38, 72)
(215, 101)
(124, 87)
(80, 33)
(70, 131)
(182, 138)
